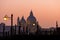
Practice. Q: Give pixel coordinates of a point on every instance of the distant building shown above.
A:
(30, 24)
(1, 27)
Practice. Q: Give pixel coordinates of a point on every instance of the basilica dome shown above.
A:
(31, 17)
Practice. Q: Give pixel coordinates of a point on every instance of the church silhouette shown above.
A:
(29, 25)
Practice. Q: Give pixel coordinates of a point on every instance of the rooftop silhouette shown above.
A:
(27, 27)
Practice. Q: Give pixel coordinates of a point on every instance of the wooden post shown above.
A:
(15, 29)
(11, 24)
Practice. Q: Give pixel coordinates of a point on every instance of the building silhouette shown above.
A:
(18, 25)
(32, 23)
(23, 24)
(30, 26)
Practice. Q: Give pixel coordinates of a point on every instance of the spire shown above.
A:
(18, 21)
(31, 13)
(18, 18)
(22, 19)
(56, 23)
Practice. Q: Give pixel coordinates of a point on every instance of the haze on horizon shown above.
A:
(45, 11)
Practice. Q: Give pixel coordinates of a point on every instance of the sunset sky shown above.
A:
(45, 11)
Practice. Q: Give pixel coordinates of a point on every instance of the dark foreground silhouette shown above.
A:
(29, 37)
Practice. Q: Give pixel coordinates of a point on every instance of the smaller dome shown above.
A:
(22, 20)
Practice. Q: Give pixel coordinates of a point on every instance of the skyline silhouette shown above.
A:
(46, 11)
(28, 27)
(25, 20)
(29, 18)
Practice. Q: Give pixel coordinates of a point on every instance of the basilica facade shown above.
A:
(29, 25)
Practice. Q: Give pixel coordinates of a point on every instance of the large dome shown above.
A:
(31, 17)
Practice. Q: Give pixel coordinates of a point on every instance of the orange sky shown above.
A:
(46, 11)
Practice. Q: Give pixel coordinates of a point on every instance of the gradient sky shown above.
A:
(46, 11)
